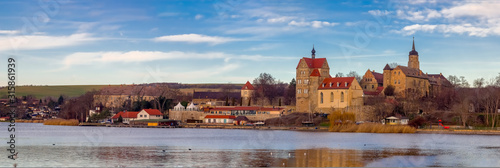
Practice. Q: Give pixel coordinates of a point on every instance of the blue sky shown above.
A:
(61, 42)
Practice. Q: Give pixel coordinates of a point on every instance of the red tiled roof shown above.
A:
(374, 93)
(128, 114)
(153, 111)
(221, 116)
(313, 63)
(247, 86)
(315, 72)
(333, 81)
(245, 108)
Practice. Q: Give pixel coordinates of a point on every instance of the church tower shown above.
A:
(310, 73)
(413, 57)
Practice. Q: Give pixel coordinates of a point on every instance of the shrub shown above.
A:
(58, 121)
(417, 122)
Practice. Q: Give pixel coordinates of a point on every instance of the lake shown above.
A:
(72, 146)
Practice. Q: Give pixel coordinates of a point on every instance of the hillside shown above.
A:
(77, 90)
(53, 91)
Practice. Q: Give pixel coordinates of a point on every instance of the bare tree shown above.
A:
(479, 83)
(265, 88)
(340, 74)
(355, 75)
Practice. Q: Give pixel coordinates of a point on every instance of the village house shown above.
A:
(149, 114)
(219, 119)
(127, 116)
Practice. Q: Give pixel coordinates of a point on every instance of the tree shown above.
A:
(164, 98)
(355, 75)
(463, 82)
(265, 88)
(60, 100)
(340, 74)
(479, 83)
(78, 108)
(290, 93)
(393, 65)
(120, 119)
(389, 90)
(454, 80)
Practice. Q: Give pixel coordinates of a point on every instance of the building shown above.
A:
(310, 72)
(219, 119)
(209, 98)
(191, 114)
(372, 83)
(149, 114)
(405, 79)
(246, 94)
(339, 93)
(127, 116)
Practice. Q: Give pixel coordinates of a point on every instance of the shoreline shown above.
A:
(299, 128)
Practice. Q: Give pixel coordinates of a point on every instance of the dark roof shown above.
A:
(412, 72)
(438, 79)
(215, 95)
(413, 52)
(378, 76)
(374, 93)
(387, 67)
(241, 118)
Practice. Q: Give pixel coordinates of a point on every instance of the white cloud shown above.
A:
(194, 38)
(379, 12)
(33, 42)
(281, 19)
(87, 58)
(447, 29)
(314, 24)
(198, 17)
(9, 32)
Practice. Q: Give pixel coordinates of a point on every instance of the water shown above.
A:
(64, 146)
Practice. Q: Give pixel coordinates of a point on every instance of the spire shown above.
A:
(313, 55)
(413, 48)
(413, 52)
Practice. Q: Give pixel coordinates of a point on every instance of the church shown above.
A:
(405, 79)
(317, 91)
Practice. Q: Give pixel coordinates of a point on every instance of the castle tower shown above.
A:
(246, 94)
(413, 57)
(310, 73)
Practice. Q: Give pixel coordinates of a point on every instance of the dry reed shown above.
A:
(58, 121)
(372, 128)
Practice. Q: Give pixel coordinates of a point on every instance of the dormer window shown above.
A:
(346, 84)
(324, 84)
(331, 84)
(338, 84)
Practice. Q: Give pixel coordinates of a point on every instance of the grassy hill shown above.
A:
(77, 90)
(53, 91)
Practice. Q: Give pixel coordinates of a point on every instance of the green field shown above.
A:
(52, 91)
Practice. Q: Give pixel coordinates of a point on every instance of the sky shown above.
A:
(65, 42)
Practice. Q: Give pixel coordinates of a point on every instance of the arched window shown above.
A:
(321, 97)
(341, 96)
(331, 96)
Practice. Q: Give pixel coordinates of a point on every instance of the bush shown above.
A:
(417, 122)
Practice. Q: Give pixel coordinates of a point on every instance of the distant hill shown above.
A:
(77, 90)
(53, 91)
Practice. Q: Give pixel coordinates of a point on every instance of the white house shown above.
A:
(149, 114)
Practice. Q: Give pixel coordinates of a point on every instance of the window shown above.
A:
(365, 86)
(394, 72)
(346, 84)
(399, 82)
(306, 81)
(373, 86)
(299, 81)
(321, 97)
(338, 84)
(331, 84)
(140, 115)
(298, 91)
(341, 96)
(323, 85)
(306, 91)
(145, 115)
(399, 73)
(331, 96)
(220, 112)
(211, 112)
(395, 82)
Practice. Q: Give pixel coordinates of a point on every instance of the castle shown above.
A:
(405, 79)
(317, 91)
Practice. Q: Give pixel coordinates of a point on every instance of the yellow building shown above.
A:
(310, 72)
(405, 79)
(339, 93)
